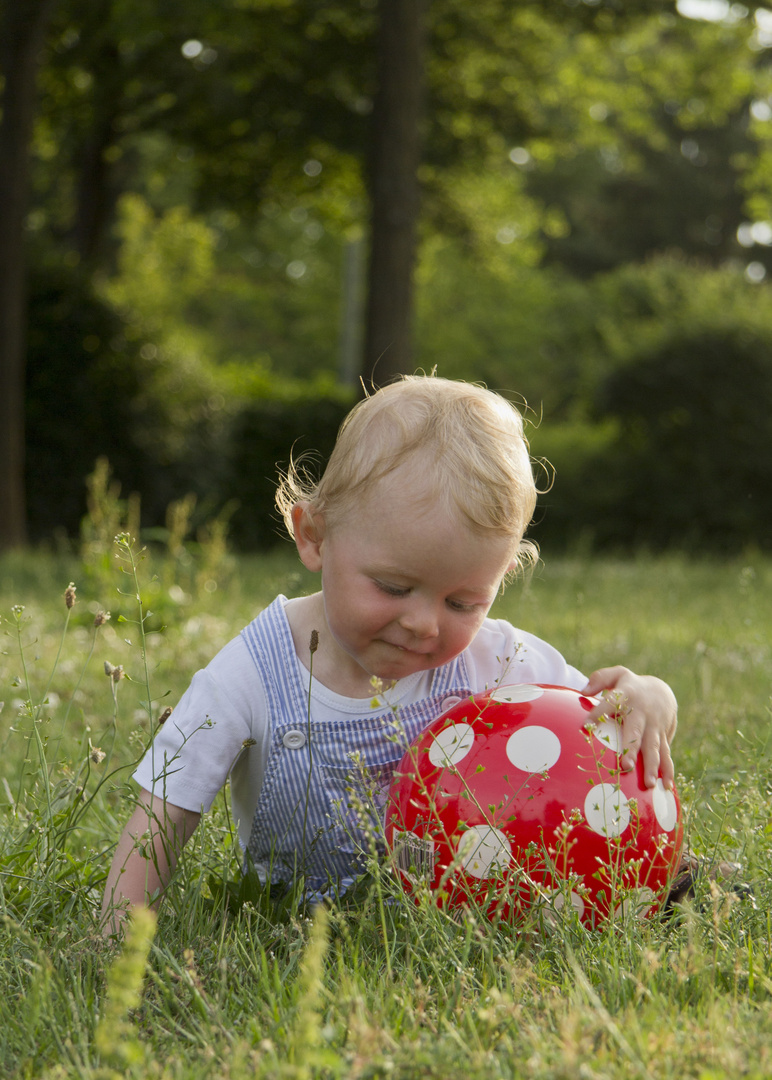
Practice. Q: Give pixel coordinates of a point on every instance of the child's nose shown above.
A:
(421, 620)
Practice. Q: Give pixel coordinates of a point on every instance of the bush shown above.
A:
(576, 495)
(694, 446)
(78, 402)
(263, 436)
(682, 454)
(96, 390)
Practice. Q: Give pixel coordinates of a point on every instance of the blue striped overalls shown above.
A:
(321, 806)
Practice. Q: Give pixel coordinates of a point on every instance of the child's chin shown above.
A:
(406, 664)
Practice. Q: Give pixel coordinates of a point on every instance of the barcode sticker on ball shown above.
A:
(414, 855)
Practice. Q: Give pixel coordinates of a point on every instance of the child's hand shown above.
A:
(649, 714)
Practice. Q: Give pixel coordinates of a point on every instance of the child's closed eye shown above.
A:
(391, 590)
(458, 605)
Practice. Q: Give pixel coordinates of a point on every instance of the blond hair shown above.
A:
(472, 448)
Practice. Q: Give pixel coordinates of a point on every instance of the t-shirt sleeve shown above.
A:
(502, 655)
(193, 753)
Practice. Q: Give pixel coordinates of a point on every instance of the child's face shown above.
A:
(406, 585)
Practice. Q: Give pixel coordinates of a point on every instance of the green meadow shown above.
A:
(233, 984)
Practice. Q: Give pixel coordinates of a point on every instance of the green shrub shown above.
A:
(678, 452)
(167, 426)
(575, 493)
(264, 434)
(81, 380)
(692, 459)
(666, 439)
(95, 390)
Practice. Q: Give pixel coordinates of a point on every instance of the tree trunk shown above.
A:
(394, 190)
(95, 194)
(22, 36)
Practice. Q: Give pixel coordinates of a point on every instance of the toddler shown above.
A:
(415, 524)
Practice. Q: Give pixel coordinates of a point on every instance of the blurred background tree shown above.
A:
(587, 189)
(22, 33)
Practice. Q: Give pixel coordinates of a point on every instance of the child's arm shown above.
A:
(138, 876)
(650, 714)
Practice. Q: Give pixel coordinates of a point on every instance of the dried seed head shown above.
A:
(101, 618)
(165, 715)
(314, 643)
(116, 673)
(97, 755)
(69, 595)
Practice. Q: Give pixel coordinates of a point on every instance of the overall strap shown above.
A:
(269, 641)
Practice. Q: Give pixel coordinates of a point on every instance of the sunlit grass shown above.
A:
(238, 985)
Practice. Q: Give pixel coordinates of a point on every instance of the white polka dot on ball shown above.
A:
(451, 745)
(575, 900)
(638, 904)
(607, 810)
(609, 732)
(484, 851)
(513, 694)
(533, 749)
(665, 808)
(555, 900)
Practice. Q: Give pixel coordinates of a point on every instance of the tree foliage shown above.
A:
(199, 171)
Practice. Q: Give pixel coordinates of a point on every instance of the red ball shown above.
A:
(512, 800)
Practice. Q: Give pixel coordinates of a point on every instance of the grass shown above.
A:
(232, 984)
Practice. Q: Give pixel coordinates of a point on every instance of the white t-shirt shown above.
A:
(221, 726)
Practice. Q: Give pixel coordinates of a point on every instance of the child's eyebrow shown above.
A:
(376, 567)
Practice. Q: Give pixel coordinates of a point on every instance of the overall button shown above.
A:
(449, 702)
(293, 740)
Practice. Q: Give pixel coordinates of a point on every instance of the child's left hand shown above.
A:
(649, 714)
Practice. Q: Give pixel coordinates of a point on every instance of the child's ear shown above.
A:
(516, 562)
(308, 529)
